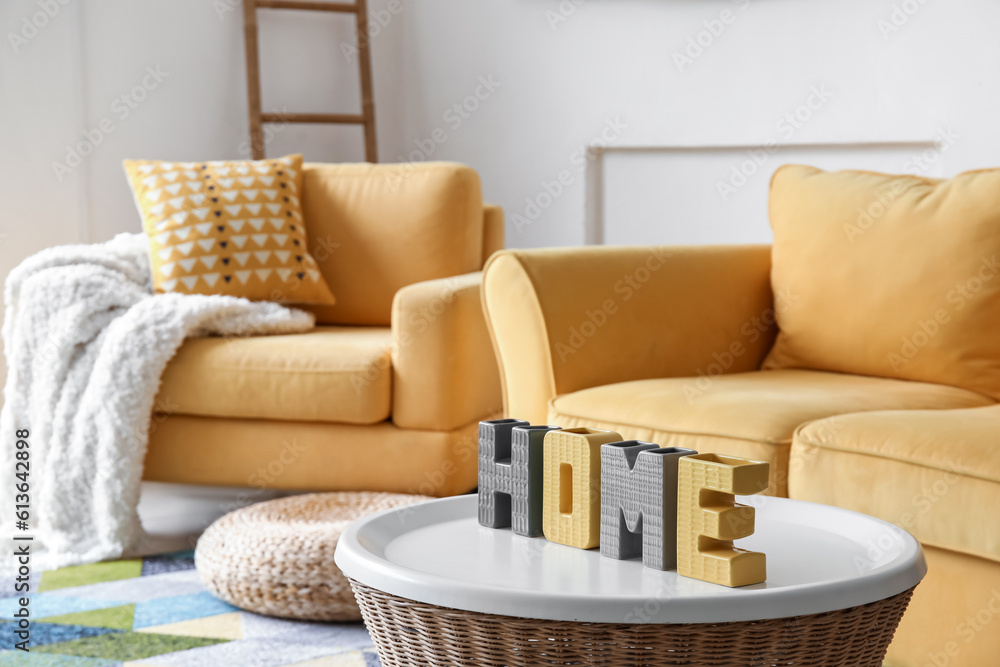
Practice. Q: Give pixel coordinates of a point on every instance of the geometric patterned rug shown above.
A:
(154, 612)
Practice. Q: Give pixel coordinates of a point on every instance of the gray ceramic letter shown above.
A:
(510, 475)
(639, 502)
(528, 463)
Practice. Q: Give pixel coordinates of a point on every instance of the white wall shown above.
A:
(39, 108)
(561, 74)
(698, 196)
(90, 65)
(561, 81)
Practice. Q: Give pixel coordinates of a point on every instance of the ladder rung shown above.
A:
(342, 118)
(308, 5)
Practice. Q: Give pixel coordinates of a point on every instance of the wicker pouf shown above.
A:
(276, 558)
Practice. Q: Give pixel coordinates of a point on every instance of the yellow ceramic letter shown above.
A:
(709, 519)
(571, 499)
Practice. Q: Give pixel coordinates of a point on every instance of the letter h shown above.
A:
(510, 475)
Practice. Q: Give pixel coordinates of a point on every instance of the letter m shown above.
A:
(639, 502)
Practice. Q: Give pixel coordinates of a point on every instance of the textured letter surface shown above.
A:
(572, 495)
(639, 502)
(527, 462)
(709, 519)
(496, 475)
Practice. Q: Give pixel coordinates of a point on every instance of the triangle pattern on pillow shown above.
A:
(224, 227)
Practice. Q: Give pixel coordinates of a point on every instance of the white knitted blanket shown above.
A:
(86, 342)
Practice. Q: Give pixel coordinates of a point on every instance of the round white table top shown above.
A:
(819, 558)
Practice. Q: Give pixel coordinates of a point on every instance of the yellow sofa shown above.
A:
(669, 345)
(387, 392)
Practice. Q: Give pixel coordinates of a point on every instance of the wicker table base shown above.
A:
(413, 634)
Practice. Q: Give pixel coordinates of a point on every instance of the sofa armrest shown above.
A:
(444, 371)
(565, 319)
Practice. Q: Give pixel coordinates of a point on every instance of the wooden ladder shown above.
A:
(258, 117)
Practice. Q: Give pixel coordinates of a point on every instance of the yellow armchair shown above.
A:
(387, 392)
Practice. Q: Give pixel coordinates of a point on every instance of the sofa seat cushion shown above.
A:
(935, 473)
(330, 374)
(312, 456)
(752, 415)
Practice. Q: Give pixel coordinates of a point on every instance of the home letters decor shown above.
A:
(586, 487)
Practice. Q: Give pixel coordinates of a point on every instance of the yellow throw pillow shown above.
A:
(888, 276)
(232, 228)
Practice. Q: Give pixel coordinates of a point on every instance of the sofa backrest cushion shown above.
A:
(889, 276)
(376, 228)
